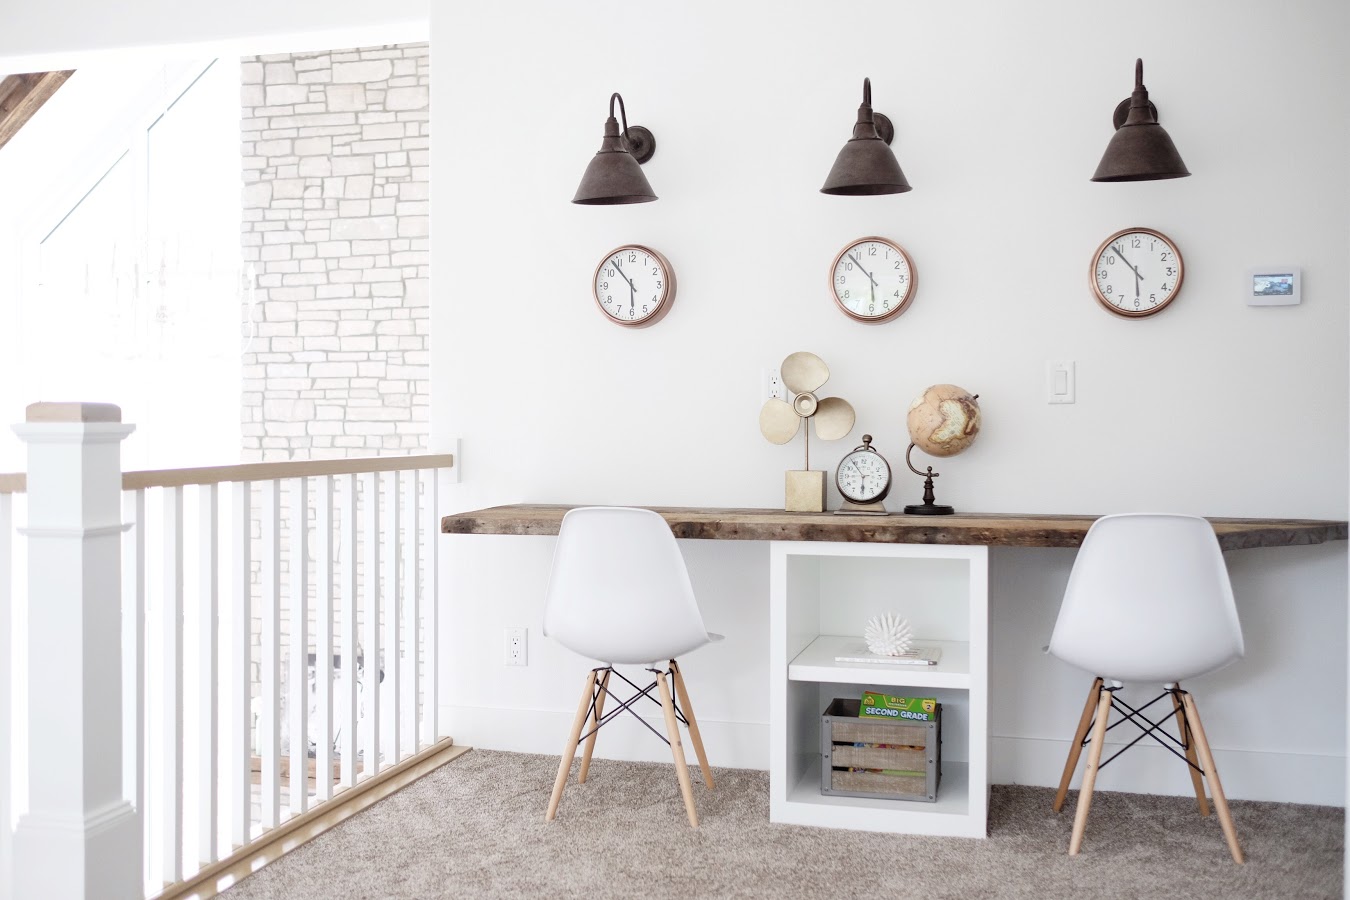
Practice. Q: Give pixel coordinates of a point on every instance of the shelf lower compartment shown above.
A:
(949, 815)
(817, 663)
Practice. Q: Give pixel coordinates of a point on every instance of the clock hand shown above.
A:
(618, 265)
(864, 271)
(1121, 254)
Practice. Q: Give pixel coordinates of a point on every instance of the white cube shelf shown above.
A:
(821, 595)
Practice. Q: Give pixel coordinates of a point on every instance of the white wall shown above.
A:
(1002, 112)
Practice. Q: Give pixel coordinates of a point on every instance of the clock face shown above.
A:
(634, 285)
(863, 476)
(872, 280)
(1136, 272)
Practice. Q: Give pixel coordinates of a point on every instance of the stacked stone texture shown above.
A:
(335, 148)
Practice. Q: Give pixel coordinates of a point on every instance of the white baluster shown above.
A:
(350, 543)
(135, 774)
(431, 611)
(208, 633)
(171, 771)
(79, 835)
(6, 673)
(269, 721)
(241, 711)
(323, 642)
(298, 698)
(411, 661)
(394, 596)
(370, 693)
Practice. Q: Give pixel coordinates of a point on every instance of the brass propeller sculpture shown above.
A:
(804, 374)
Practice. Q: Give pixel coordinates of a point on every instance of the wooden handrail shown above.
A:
(17, 483)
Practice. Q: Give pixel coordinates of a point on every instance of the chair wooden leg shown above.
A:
(1090, 773)
(565, 765)
(594, 723)
(1212, 774)
(1084, 722)
(1188, 738)
(683, 696)
(677, 749)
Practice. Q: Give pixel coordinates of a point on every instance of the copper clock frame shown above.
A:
(1142, 313)
(889, 314)
(667, 291)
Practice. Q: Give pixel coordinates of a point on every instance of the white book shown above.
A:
(915, 656)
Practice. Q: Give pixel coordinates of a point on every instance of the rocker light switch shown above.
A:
(1059, 381)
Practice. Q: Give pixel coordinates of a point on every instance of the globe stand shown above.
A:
(928, 507)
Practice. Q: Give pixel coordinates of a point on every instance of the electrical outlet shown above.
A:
(772, 385)
(515, 647)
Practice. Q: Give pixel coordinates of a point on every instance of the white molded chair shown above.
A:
(1148, 599)
(619, 593)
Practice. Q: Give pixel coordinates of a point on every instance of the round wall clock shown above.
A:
(872, 280)
(1136, 272)
(634, 285)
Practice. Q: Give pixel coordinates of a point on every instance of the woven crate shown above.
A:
(849, 742)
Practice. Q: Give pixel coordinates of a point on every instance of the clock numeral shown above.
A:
(1166, 256)
(902, 279)
(1121, 301)
(654, 296)
(1110, 260)
(1153, 298)
(839, 279)
(1102, 273)
(631, 312)
(604, 285)
(1136, 304)
(872, 251)
(1108, 288)
(658, 285)
(1171, 271)
(632, 257)
(609, 272)
(1134, 242)
(871, 307)
(644, 309)
(897, 264)
(845, 295)
(848, 267)
(655, 271)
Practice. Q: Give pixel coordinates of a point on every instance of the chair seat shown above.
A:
(651, 653)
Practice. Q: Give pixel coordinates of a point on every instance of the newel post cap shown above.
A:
(73, 412)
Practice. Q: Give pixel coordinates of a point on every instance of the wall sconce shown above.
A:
(866, 165)
(614, 174)
(1140, 150)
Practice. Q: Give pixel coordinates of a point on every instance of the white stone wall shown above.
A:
(335, 226)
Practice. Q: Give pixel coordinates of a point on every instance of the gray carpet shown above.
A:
(475, 828)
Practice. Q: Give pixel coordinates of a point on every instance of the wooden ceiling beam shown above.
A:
(21, 96)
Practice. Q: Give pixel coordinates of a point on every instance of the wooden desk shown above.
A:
(972, 529)
(815, 603)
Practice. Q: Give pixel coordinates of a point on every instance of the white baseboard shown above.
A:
(739, 745)
(1149, 769)
(1246, 774)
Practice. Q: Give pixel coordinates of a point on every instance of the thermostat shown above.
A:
(1274, 286)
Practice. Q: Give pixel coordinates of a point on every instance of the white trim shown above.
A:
(92, 824)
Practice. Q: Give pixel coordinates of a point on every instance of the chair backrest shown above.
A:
(1148, 599)
(619, 591)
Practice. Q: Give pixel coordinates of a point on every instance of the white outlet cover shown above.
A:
(1060, 386)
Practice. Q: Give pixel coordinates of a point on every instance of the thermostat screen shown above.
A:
(1273, 285)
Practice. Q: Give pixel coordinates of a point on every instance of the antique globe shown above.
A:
(943, 421)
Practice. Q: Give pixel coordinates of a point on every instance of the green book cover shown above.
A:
(877, 705)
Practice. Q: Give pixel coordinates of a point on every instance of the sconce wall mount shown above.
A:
(614, 175)
(867, 165)
(1140, 150)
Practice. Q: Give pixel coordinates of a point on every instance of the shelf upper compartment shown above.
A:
(817, 663)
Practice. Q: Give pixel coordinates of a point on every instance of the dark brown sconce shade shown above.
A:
(1140, 150)
(614, 174)
(867, 165)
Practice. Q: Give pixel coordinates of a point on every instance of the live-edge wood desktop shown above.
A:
(810, 555)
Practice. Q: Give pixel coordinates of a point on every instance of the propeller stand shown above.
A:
(928, 507)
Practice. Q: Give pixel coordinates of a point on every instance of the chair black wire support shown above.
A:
(1155, 730)
(600, 691)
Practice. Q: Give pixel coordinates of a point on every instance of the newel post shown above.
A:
(80, 837)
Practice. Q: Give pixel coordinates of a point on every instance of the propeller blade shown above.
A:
(834, 418)
(778, 422)
(804, 373)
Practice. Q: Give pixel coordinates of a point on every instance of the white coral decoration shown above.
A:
(887, 635)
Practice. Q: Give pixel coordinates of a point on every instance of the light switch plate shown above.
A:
(1060, 386)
